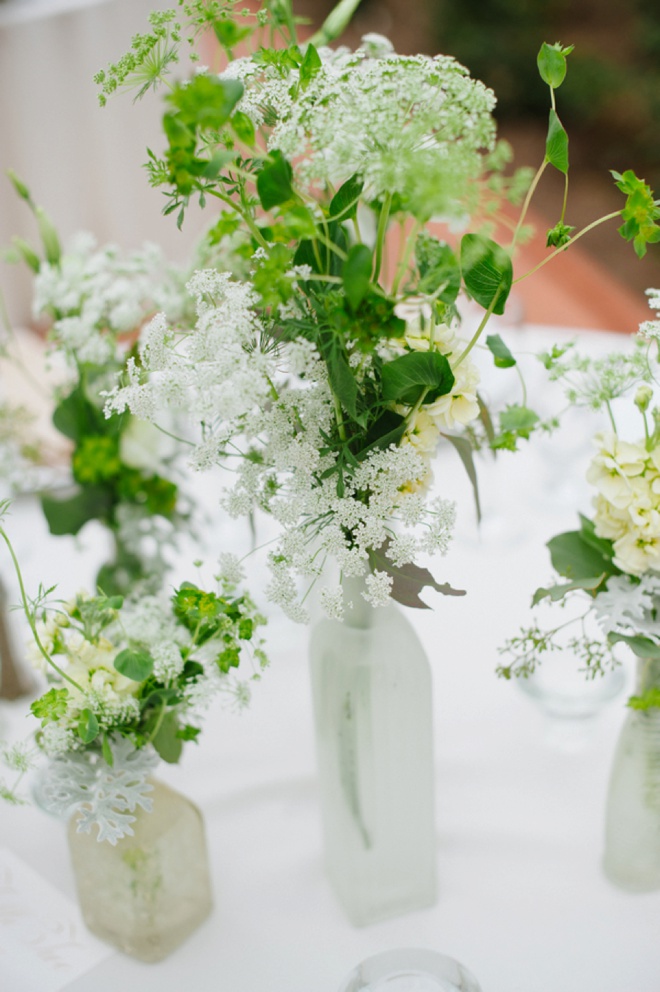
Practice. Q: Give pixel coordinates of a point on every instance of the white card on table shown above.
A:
(44, 944)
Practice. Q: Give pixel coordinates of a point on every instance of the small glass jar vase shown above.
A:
(632, 830)
(410, 969)
(371, 685)
(146, 894)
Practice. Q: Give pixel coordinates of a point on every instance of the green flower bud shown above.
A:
(643, 397)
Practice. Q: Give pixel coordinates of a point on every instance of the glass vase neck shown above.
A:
(358, 613)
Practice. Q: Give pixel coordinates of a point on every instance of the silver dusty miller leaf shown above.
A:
(99, 794)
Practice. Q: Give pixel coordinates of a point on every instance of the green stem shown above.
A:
(528, 198)
(380, 234)
(610, 415)
(159, 723)
(402, 267)
(339, 417)
(335, 23)
(477, 334)
(254, 230)
(585, 230)
(30, 617)
(563, 206)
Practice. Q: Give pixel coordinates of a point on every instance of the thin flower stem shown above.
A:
(383, 221)
(30, 616)
(610, 414)
(254, 230)
(528, 198)
(402, 267)
(585, 230)
(477, 334)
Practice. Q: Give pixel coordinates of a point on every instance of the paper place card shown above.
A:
(44, 943)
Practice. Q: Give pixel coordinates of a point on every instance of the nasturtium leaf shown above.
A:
(88, 726)
(309, 66)
(503, 357)
(408, 580)
(642, 647)
(274, 181)
(487, 271)
(343, 205)
(356, 274)
(136, 665)
(551, 62)
(556, 145)
(67, 516)
(405, 378)
(167, 741)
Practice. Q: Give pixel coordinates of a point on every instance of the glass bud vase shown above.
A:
(632, 831)
(371, 685)
(146, 894)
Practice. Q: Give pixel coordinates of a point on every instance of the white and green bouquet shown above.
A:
(611, 564)
(129, 682)
(359, 193)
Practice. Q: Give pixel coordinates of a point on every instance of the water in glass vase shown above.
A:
(146, 894)
(371, 685)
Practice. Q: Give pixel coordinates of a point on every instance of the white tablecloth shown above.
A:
(523, 902)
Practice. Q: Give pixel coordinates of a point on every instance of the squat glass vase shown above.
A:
(146, 894)
(632, 833)
(371, 685)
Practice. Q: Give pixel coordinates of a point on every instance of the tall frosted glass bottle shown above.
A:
(146, 894)
(632, 830)
(371, 685)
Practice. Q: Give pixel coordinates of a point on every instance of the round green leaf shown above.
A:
(135, 665)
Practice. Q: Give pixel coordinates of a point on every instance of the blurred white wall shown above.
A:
(83, 163)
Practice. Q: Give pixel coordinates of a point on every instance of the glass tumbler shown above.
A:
(410, 970)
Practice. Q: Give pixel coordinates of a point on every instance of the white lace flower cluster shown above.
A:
(649, 330)
(96, 294)
(408, 125)
(266, 409)
(627, 479)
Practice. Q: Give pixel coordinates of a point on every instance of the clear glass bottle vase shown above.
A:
(371, 685)
(632, 826)
(146, 894)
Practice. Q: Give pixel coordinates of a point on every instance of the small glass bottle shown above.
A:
(146, 894)
(371, 684)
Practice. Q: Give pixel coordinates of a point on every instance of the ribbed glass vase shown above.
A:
(371, 685)
(146, 894)
(632, 830)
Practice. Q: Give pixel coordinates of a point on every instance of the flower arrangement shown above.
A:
(130, 680)
(327, 364)
(612, 563)
(96, 300)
